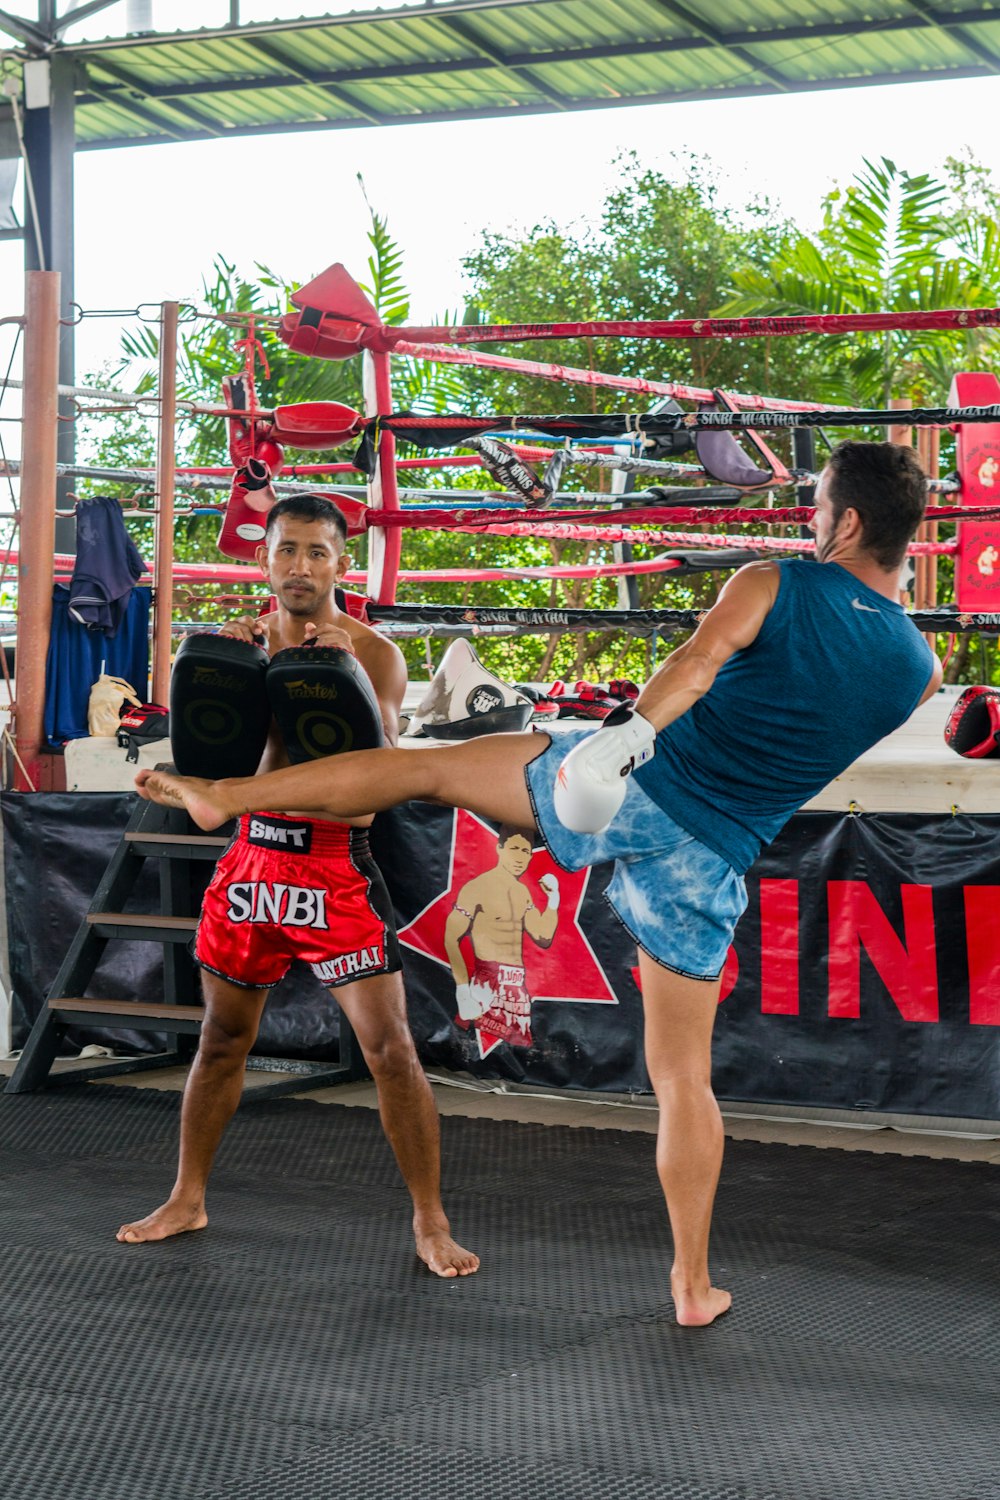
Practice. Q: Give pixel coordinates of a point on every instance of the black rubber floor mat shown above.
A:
(297, 1350)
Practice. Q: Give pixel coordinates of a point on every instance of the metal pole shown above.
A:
(35, 571)
(50, 136)
(628, 588)
(925, 579)
(900, 433)
(804, 457)
(910, 578)
(163, 545)
(384, 547)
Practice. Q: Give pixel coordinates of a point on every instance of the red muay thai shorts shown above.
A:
(508, 1014)
(290, 888)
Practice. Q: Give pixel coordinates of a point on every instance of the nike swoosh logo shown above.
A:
(869, 609)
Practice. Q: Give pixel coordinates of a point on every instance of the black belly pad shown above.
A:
(323, 703)
(219, 710)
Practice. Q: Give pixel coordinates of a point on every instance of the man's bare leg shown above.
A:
(484, 775)
(376, 1009)
(212, 1092)
(680, 1014)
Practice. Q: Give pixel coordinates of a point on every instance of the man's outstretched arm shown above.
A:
(590, 785)
(732, 624)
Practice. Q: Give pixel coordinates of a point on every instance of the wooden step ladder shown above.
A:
(165, 834)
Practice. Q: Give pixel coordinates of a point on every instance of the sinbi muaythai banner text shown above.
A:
(865, 972)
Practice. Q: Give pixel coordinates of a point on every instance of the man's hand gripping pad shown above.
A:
(323, 703)
(219, 713)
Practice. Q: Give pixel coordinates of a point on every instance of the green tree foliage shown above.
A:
(664, 249)
(891, 242)
(211, 345)
(898, 242)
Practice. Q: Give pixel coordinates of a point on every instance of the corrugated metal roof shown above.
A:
(458, 59)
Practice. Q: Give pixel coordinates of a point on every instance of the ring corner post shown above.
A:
(384, 545)
(926, 578)
(163, 547)
(977, 459)
(36, 563)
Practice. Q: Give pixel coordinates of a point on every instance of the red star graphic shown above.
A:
(567, 970)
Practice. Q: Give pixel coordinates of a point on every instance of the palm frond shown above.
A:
(386, 286)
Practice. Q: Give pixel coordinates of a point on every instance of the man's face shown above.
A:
(304, 563)
(822, 525)
(515, 855)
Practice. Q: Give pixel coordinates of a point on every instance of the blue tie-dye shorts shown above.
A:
(678, 900)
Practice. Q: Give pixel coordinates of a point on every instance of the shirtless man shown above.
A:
(799, 668)
(303, 559)
(496, 910)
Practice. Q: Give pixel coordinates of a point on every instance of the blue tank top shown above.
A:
(835, 667)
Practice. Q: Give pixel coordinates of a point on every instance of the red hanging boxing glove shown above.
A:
(248, 439)
(250, 499)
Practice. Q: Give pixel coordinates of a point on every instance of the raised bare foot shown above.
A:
(203, 800)
(169, 1219)
(441, 1254)
(696, 1307)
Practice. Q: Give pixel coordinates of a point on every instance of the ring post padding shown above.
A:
(384, 547)
(977, 445)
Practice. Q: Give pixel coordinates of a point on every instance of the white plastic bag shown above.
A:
(105, 705)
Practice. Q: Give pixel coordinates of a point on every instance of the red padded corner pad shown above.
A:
(316, 424)
(977, 454)
(335, 320)
(335, 291)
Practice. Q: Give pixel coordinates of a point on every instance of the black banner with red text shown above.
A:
(865, 973)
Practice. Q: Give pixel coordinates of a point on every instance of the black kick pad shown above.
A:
(323, 703)
(219, 713)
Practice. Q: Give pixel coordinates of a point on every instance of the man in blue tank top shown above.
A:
(800, 667)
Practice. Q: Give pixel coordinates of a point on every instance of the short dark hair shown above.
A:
(887, 487)
(510, 831)
(307, 507)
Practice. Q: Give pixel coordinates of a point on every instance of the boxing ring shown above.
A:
(297, 1349)
(869, 938)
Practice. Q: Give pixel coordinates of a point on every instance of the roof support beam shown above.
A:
(948, 24)
(48, 137)
(274, 54)
(720, 40)
(63, 23)
(250, 30)
(508, 112)
(140, 112)
(133, 104)
(430, 67)
(22, 30)
(497, 59)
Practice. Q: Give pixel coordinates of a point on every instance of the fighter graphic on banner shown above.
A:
(496, 912)
(500, 892)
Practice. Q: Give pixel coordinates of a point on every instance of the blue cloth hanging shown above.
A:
(106, 568)
(75, 658)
